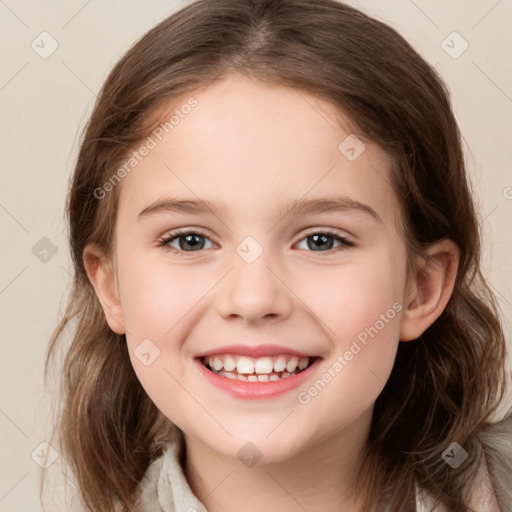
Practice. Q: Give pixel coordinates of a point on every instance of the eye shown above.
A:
(187, 241)
(192, 241)
(318, 240)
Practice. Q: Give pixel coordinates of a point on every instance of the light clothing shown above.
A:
(165, 488)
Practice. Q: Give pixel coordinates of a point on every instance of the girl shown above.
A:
(277, 301)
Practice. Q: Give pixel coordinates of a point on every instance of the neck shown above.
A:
(321, 478)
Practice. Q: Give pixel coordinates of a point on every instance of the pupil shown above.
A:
(319, 240)
(190, 242)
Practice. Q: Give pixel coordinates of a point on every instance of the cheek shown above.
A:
(350, 298)
(360, 307)
(157, 301)
(156, 297)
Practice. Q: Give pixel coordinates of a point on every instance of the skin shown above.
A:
(255, 146)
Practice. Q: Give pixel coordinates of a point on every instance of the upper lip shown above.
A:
(253, 351)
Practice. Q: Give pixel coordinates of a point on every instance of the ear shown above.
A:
(101, 273)
(429, 290)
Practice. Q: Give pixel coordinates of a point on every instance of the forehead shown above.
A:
(247, 144)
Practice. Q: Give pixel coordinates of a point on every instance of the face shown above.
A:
(282, 298)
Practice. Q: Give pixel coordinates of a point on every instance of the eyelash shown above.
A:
(174, 235)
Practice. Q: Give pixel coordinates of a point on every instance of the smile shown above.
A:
(262, 372)
(261, 369)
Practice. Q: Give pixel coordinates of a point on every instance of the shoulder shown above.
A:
(148, 488)
(496, 442)
(483, 496)
(164, 487)
(491, 489)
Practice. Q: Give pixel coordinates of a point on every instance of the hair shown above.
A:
(444, 387)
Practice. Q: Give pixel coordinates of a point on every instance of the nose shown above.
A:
(255, 292)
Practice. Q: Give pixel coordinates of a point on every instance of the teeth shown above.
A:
(291, 366)
(303, 363)
(256, 378)
(264, 365)
(262, 369)
(244, 365)
(280, 364)
(229, 363)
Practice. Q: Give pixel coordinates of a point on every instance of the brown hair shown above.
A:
(444, 387)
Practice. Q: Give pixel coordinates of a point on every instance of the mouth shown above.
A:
(261, 369)
(255, 375)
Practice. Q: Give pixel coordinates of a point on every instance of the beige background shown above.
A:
(45, 102)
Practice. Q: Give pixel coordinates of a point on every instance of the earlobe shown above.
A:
(430, 289)
(101, 274)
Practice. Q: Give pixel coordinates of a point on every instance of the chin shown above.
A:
(258, 449)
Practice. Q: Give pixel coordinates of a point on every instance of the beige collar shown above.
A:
(165, 489)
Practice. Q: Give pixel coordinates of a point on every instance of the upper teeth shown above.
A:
(260, 365)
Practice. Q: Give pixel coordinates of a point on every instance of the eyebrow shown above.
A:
(293, 207)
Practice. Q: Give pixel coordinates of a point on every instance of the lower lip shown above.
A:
(257, 390)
